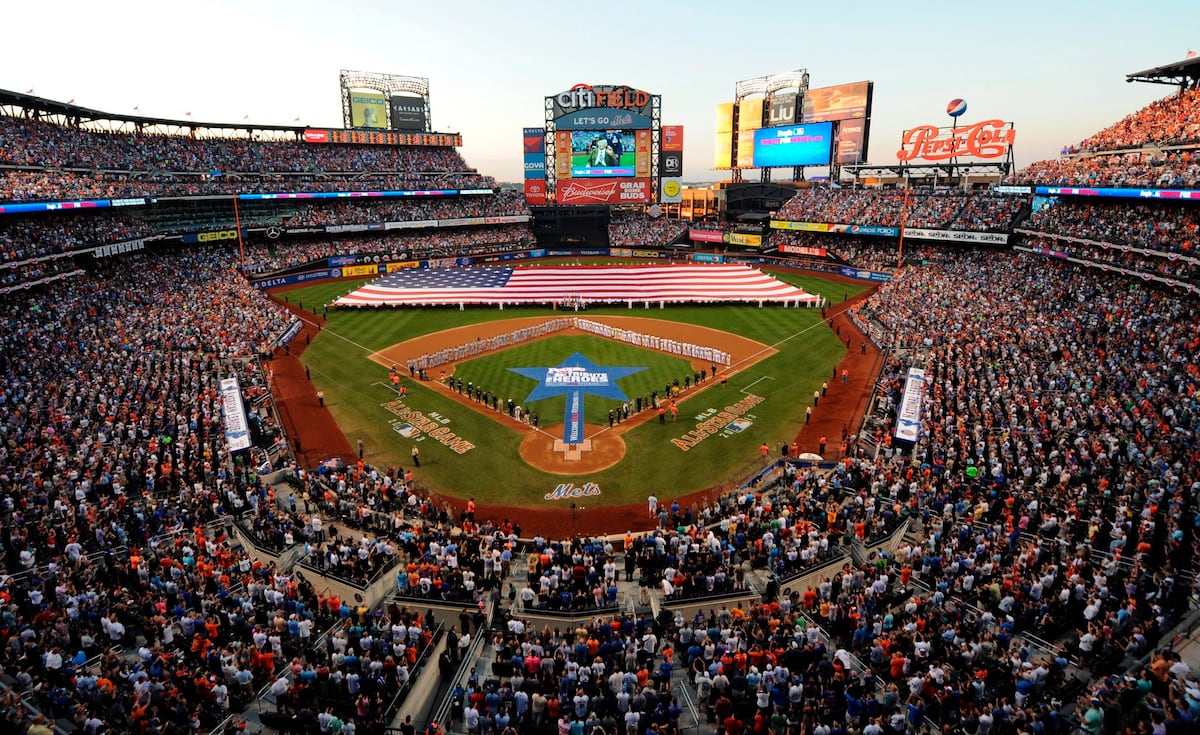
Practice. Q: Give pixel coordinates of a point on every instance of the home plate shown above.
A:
(572, 451)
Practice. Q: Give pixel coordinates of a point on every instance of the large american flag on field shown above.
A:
(672, 283)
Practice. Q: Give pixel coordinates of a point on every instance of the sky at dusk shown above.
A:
(1056, 70)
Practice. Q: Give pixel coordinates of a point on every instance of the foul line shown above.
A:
(748, 387)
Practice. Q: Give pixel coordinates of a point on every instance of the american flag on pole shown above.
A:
(674, 283)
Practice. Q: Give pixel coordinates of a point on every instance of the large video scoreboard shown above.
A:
(602, 146)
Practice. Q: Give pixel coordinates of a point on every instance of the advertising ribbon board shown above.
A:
(237, 431)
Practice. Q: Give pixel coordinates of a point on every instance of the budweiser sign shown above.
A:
(607, 191)
(984, 139)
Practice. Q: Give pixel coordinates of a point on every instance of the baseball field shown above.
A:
(471, 448)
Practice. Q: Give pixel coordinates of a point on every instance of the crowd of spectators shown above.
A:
(416, 245)
(354, 680)
(503, 203)
(1056, 488)
(29, 142)
(1167, 228)
(44, 160)
(627, 229)
(28, 185)
(610, 675)
(24, 238)
(1172, 120)
(1113, 231)
(1128, 154)
(30, 237)
(1162, 169)
(114, 479)
(927, 207)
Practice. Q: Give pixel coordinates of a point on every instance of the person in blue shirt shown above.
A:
(616, 142)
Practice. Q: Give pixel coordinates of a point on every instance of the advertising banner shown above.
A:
(417, 224)
(984, 139)
(725, 117)
(782, 110)
(707, 258)
(534, 139)
(535, 192)
(317, 275)
(908, 414)
(27, 207)
(851, 141)
(868, 230)
(864, 275)
(723, 153)
(670, 163)
(361, 227)
(602, 120)
(990, 238)
(802, 250)
(672, 138)
(750, 114)
(777, 224)
(840, 102)
(672, 191)
(237, 431)
(642, 159)
(368, 109)
(745, 149)
(402, 265)
(408, 113)
(218, 236)
(562, 149)
(535, 166)
(706, 236)
(606, 191)
(739, 238)
(357, 271)
(292, 330)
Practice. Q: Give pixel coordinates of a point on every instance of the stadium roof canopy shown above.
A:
(40, 107)
(1184, 74)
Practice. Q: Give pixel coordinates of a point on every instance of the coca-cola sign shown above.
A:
(984, 139)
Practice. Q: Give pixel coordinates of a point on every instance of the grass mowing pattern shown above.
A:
(491, 373)
(493, 471)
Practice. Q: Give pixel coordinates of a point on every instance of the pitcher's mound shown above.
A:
(544, 450)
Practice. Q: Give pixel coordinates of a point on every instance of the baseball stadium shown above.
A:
(324, 430)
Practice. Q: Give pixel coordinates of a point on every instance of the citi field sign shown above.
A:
(589, 96)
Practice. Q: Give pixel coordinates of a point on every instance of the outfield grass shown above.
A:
(355, 389)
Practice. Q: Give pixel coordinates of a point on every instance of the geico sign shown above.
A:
(214, 236)
(584, 96)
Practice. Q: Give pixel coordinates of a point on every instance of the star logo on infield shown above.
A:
(577, 373)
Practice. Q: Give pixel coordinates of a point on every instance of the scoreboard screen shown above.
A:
(382, 137)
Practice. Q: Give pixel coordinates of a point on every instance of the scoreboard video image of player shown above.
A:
(599, 153)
